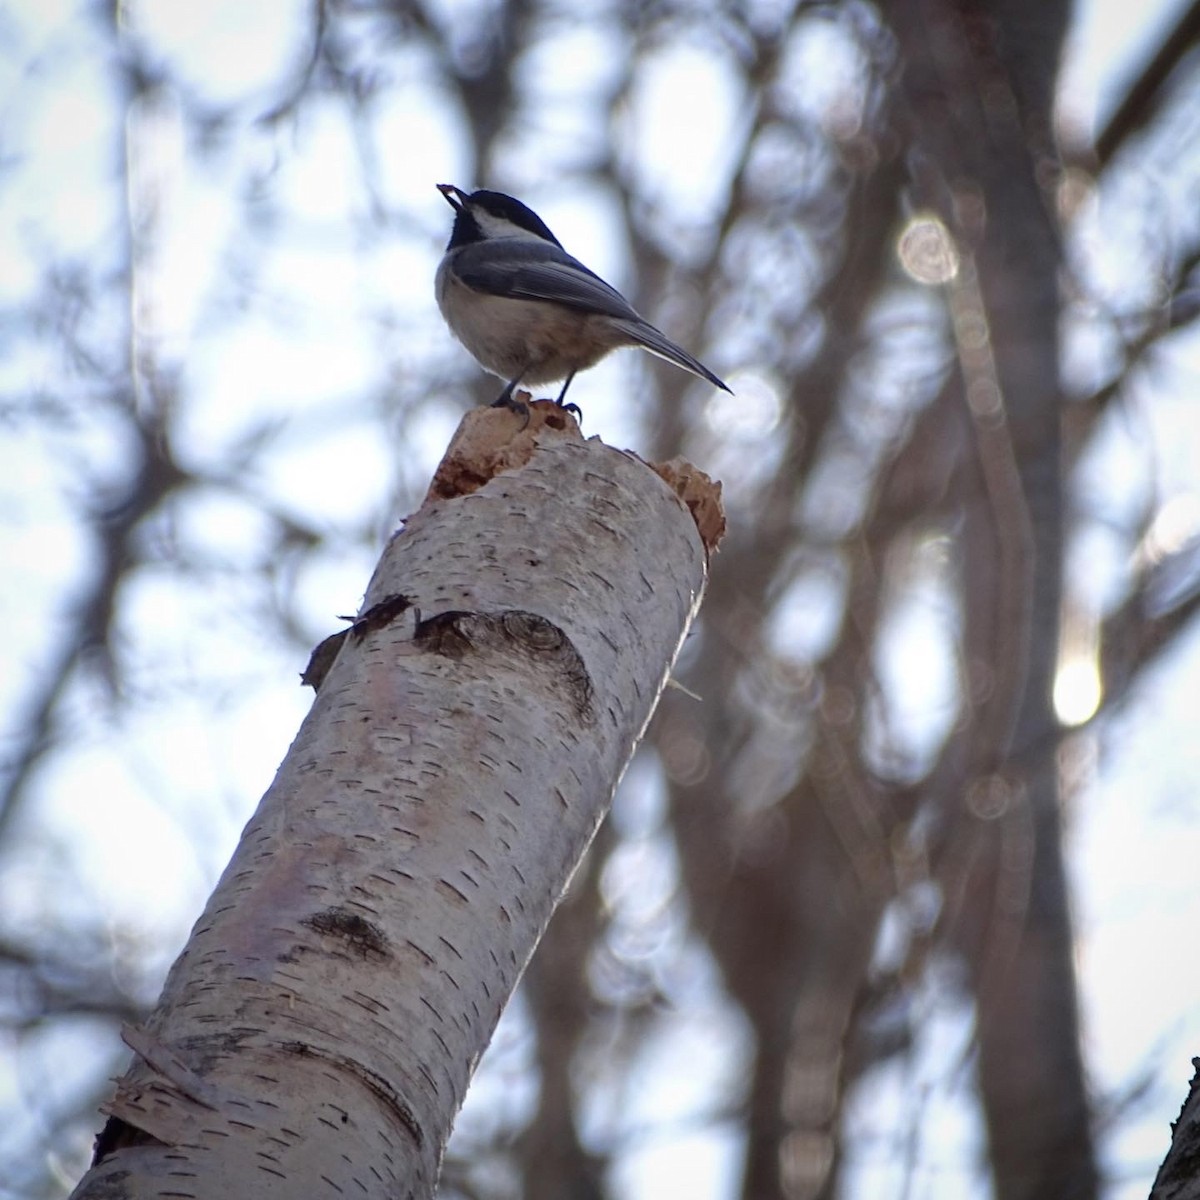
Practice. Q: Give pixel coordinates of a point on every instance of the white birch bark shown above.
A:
(316, 1036)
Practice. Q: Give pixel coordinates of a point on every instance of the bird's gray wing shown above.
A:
(527, 270)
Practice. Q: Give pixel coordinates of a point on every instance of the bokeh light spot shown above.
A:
(927, 251)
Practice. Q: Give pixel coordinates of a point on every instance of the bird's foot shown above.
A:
(507, 400)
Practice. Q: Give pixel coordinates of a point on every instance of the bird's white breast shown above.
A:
(533, 340)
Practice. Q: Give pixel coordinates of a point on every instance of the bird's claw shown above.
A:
(507, 400)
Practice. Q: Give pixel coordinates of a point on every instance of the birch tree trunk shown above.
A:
(318, 1032)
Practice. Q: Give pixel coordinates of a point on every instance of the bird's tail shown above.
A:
(642, 333)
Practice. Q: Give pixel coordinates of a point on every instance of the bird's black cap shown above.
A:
(498, 204)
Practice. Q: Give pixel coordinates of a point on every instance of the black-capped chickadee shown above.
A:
(525, 308)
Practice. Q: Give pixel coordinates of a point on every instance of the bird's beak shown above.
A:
(454, 196)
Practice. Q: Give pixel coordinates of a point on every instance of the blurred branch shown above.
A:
(302, 80)
(552, 1159)
(1149, 90)
(1133, 640)
(979, 82)
(43, 986)
(1179, 310)
(486, 77)
(86, 638)
(765, 880)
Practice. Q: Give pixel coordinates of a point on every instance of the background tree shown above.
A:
(826, 944)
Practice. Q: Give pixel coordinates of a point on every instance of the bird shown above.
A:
(526, 309)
